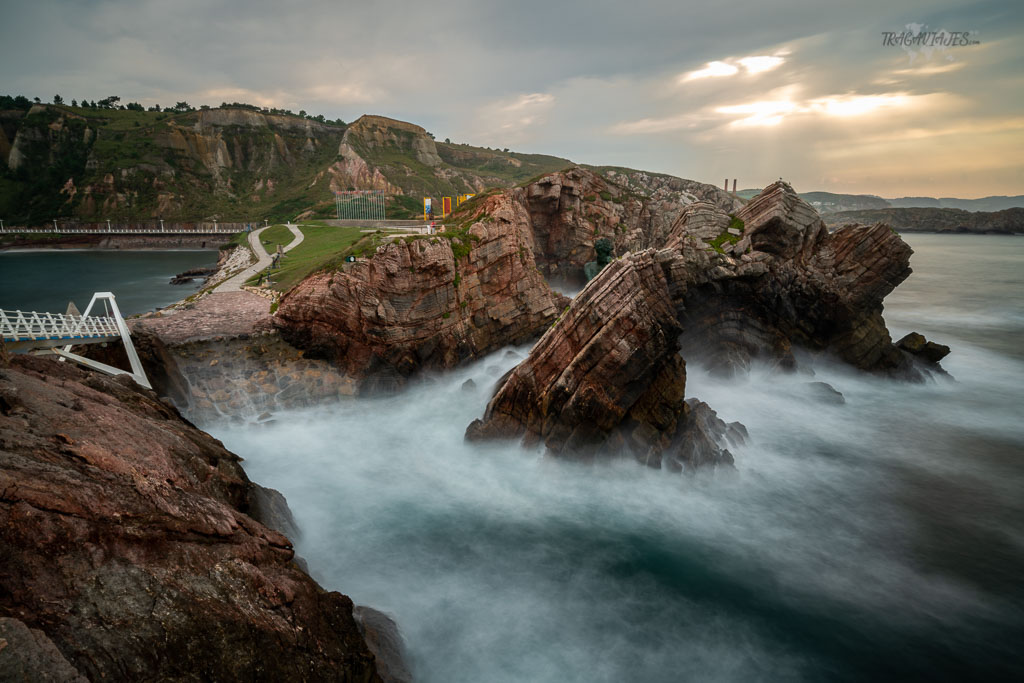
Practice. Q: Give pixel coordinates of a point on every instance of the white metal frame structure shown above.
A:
(56, 333)
(360, 205)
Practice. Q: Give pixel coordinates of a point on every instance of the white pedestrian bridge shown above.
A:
(56, 333)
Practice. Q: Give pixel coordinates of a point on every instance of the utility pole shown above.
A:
(161, 225)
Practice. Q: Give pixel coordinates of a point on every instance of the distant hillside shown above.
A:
(830, 202)
(995, 203)
(229, 163)
(1008, 221)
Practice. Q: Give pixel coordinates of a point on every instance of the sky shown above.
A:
(805, 90)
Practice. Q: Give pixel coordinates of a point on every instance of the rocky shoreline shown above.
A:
(131, 551)
(161, 538)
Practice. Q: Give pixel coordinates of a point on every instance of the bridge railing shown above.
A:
(121, 231)
(32, 326)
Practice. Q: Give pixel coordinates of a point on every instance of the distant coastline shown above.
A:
(942, 221)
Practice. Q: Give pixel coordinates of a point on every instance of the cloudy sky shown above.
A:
(751, 89)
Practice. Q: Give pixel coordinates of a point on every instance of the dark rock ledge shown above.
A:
(128, 553)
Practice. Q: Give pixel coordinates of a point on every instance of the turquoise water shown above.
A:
(45, 280)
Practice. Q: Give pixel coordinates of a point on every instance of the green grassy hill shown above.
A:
(230, 164)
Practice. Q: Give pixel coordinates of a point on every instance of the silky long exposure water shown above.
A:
(882, 538)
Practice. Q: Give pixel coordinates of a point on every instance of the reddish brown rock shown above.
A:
(570, 210)
(126, 544)
(788, 283)
(415, 305)
(606, 378)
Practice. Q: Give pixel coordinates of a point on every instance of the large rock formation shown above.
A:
(570, 210)
(607, 378)
(784, 281)
(128, 554)
(425, 302)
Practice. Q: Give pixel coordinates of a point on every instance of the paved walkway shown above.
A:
(221, 314)
(263, 259)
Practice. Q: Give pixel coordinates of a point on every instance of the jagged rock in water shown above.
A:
(916, 345)
(414, 305)
(606, 378)
(126, 541)
(192, 274)
(385, 641)
(786, 283)
(469, 385)
(826, 393)
(269, 507)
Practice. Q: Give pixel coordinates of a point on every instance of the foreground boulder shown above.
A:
(607, 378)
(128, 554)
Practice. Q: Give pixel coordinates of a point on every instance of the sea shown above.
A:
(46, 280)
(880, 539)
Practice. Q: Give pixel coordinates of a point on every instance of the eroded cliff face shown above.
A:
(425, 302)
(607, 378)
(785, 282)
(128, 554)
(569, 211)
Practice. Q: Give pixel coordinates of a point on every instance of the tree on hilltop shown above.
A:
(57, 99)
(109, 102)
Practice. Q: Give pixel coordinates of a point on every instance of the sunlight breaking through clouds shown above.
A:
(712, 70)
(754, 64)
(759, 63)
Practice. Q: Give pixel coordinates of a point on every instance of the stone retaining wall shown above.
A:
(242, 378)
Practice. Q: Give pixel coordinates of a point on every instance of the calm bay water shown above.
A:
(46, 279)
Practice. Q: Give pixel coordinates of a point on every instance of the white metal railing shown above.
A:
(58, 333)
(33, 326)
(123, 231)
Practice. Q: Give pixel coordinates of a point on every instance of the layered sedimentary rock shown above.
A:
(128, 554)
(607, 378)
(570, 210)
(784, 281)
(425, 302)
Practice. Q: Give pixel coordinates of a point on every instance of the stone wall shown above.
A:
(243, 378)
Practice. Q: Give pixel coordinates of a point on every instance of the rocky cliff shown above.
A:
(608, 377)
(425, 301)
(784, 281)
(128, 553)
(570, 210)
